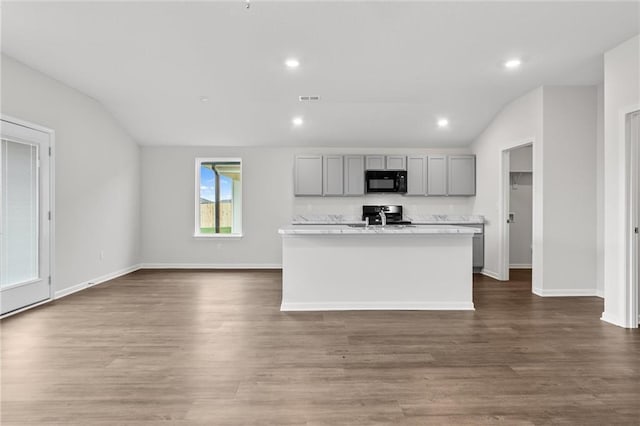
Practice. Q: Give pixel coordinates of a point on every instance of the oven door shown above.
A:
(384, 181)
(381, 185)
(380, 181)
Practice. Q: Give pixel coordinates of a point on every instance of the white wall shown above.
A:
(621, 92)
(521, 205)
(168, 184)
(570, 223)
(518, 123)
(561, 123)
(268, 203)
(600, 193)
(97, 177)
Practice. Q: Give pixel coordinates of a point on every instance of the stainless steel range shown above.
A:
(376, 215)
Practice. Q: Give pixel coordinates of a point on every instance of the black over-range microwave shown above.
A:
(386, 181)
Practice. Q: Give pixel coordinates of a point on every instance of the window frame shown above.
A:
(196, 228)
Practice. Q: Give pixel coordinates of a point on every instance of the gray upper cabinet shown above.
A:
(462, 175)
(386, 162)
(396, 162)
(353, 175)
(416, 175)
(333, 175)
(344, 175)
(308, 175)
(437, 175)
(375, 162)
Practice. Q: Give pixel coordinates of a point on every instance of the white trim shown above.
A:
(611, 319)
(25, 123)
(504, 194)
(52, 199)
(519, 266)
(196, 213)
(218, 235)
(369, 306)
(632, 156)
(21, 283)
(99, 280)
(26, 308)
(600, 293)
(211, 266)
(490, 274)
(565, 292)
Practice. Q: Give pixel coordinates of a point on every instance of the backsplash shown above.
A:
(352, 206)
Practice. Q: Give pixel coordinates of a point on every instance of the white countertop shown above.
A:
(325, 219)
(373, 230)
(436, 219)
(338, 219)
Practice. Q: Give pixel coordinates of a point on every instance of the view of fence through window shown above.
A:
(220, 197)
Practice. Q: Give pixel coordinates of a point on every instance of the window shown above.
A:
(218, 197)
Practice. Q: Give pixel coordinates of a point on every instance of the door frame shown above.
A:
(503, 202)
(632, 243)
(52, 272)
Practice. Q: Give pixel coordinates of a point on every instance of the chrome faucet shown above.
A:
(383, 218)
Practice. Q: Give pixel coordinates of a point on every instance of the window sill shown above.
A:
(218, 235)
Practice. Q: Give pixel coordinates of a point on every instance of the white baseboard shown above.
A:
(99, 280)
(519, 266)
(377, 306)
(613, 319)
(616, 320)
(26, 308)
(211, 266)
(565, 292)
(600, 293)
(490, 274)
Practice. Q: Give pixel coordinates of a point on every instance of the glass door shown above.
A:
(24, 217)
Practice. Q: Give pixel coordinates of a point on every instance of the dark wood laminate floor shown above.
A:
(212, 348)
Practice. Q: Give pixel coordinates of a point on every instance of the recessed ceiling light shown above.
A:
(512, 64)
(297, 121)
(292, 63)
(443, 122)
(204, 99)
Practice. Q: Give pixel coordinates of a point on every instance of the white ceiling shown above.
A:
(385, 70)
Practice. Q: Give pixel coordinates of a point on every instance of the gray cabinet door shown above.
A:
(396, 162)
(416, 175)
(437, 175)
(308, 175)
(333, 174)
(353, 175)
(462, 175)
(375, 162)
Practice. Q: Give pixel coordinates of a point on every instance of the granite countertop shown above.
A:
(373, 230)
(444, 218)
(338, 219)
(325, 219)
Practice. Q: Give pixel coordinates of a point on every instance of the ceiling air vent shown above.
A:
(308, 98)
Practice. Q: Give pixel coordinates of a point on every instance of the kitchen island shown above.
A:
(343, 267)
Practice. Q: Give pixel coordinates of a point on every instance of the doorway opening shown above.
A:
(632, 136)
(516, 215)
